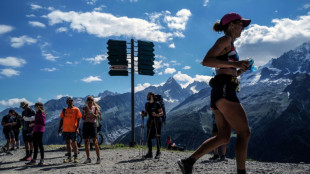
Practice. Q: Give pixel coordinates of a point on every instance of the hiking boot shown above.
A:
(23, 159)
(76, 160)
(69, 159)
(148, 155)
(98, 161)
(185, 167)
(41, 163)
(157, 155)
(223, 158)
(29, 158)
(32, 162)
(87, 161)
(215, 157)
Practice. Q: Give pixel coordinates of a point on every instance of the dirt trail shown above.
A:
(128, 161)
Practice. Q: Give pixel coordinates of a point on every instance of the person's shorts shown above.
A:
(9, 134)
(154, 128)
(27, 136)
(214, 130)
(223, 86)
(89, 130)
(16, 134)
(69, 136)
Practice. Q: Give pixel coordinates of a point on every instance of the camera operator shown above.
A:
(155, 112)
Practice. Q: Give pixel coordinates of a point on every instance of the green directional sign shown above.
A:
(146, 58)
(117, 56)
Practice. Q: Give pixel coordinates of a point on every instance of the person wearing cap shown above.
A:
(28, 118)
(69, 126)
(8, 123)
(229, 113)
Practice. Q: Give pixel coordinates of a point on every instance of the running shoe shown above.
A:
(148, 155)
(223, 158)
(87, 161)
(215, 157)
(32, 162)
(76, 160)
(23, 159)
(157, 155)
(98, 161)
(41, 163)
(69, 159)
(185, 167)
(29, 158)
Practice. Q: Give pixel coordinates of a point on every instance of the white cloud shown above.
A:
(100, 8)
(170, 70)
(40, 99)
(35, 6)
(36, 24)
(49, 69)
(205, 3)
(186, 67)
(188, 79)
(62, 29)
(9, 72)
(175, 63)
(265, 42)
(12, 61)
(49, 56)
(91, 79)
(160, 64)
(30, 16)
(97, 59)
(18, 42)
(14, 102)
(179, 21)
(160, 73)
(141, 87)
(133, 0)
(172, 45)
(306, 6)
(5, 29)
(107, 25)
(91, 2)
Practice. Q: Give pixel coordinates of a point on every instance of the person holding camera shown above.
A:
(28, 118)
(154, 123)
(90, 115)
(69, 125)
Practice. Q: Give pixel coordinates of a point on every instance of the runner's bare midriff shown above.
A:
(232, 72)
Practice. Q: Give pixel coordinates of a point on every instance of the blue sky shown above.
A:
(54, 48)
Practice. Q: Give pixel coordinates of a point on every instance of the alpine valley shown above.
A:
(275, 97)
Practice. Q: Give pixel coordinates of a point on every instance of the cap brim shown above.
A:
(246, 22)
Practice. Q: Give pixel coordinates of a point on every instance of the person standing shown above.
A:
(69, 126)
(28, 118)
(154, 123)
(16, 129)
(216, 150)
(227, 108)
(38, 131)
(8, 123)
(90, 117)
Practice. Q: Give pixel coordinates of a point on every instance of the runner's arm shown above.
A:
(60, 125)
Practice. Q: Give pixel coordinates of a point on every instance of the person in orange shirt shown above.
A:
(69, 125)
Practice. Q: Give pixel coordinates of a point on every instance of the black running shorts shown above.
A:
(89, 130)
(223, 86)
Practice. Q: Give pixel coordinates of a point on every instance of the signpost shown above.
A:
(117, 56)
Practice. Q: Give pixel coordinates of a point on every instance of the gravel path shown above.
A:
(128, 161)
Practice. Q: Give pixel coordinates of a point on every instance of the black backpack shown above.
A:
(158, 98)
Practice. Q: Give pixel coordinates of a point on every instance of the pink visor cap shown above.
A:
(229, 17)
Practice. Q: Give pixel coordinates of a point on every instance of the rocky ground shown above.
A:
(128, 160)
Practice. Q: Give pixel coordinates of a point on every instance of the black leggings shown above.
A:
(37, 143)
(153, 131)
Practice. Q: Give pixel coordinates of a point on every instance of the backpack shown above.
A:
(158, 98)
